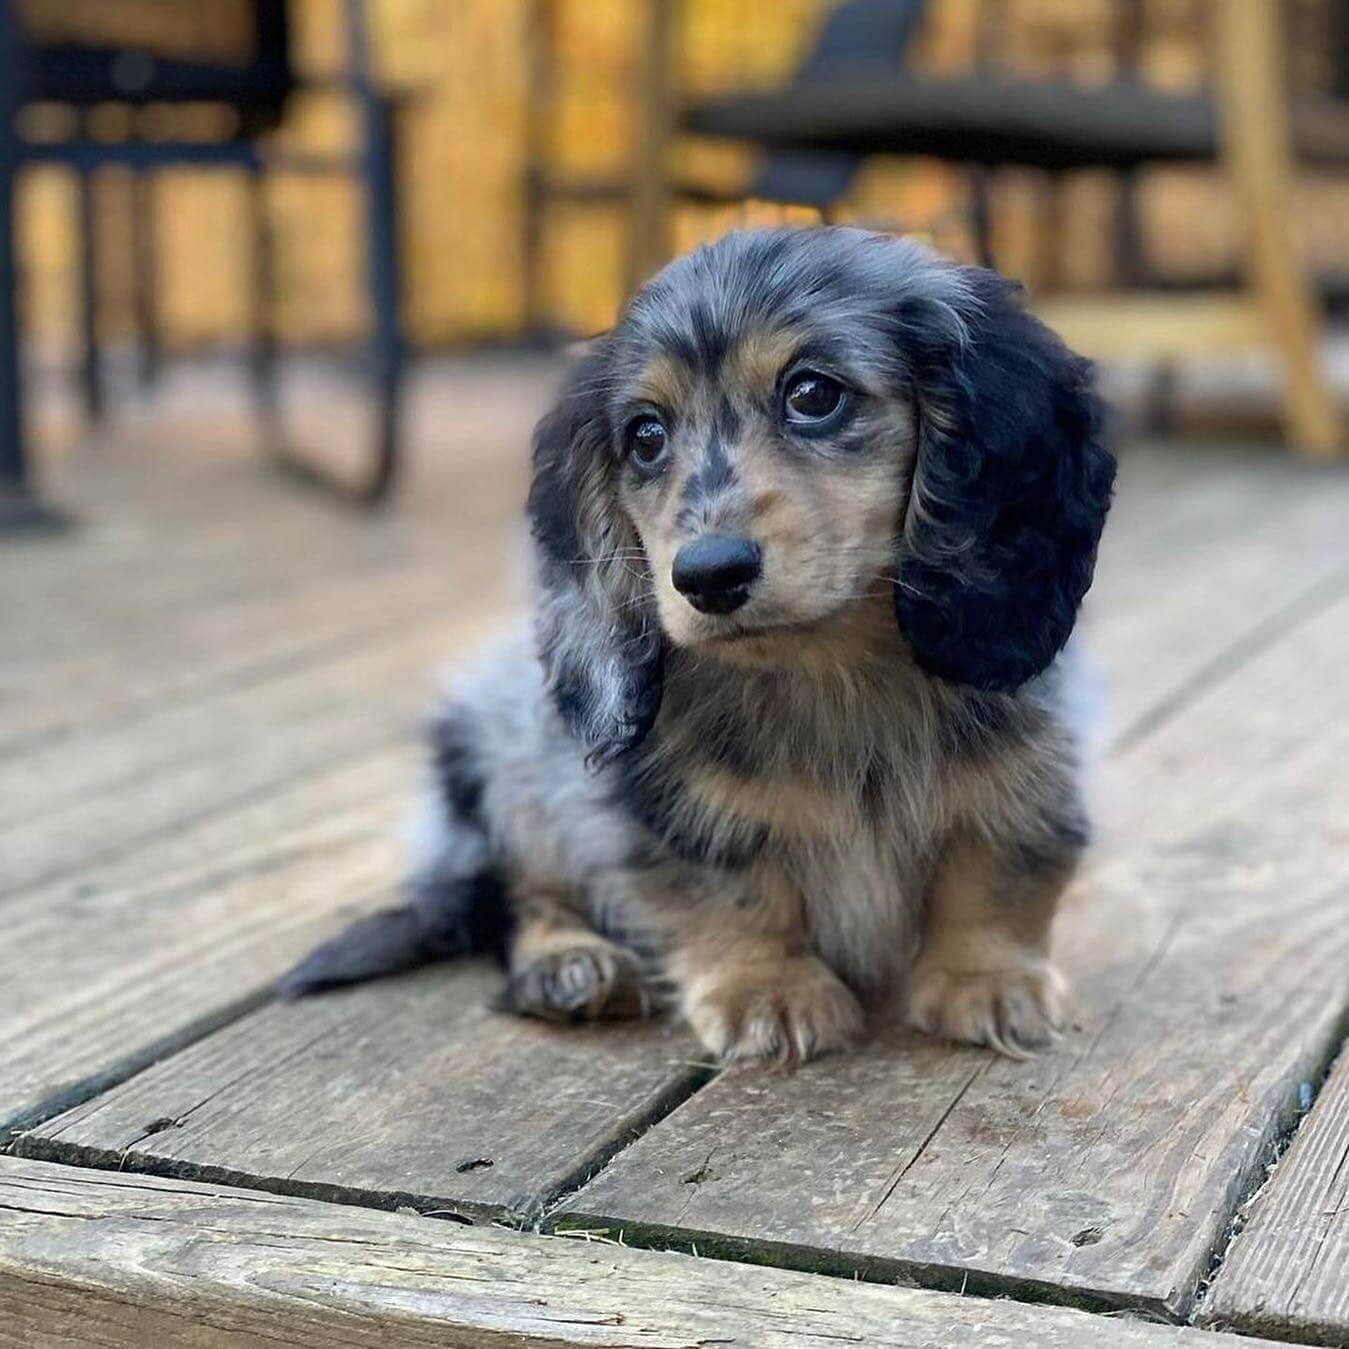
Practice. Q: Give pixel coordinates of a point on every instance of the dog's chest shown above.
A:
(862, 888)
(842, 812)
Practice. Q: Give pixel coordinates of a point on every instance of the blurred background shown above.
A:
(284, 286)
(257, 183)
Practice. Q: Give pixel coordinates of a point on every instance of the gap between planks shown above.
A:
(1285, 1270)
(127, 1261)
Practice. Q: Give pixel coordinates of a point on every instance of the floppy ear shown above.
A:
(599, 639)
(1010, 489)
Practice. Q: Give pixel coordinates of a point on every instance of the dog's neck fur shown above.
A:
(819, 701)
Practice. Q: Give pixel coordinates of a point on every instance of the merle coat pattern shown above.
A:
(791, 732)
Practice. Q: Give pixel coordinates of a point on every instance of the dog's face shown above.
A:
(763, 461)
(781, 424)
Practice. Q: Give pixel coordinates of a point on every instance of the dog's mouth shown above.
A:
(739, 631)
(768, 630)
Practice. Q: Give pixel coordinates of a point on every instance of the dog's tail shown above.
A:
(468, 916)
(456, 902)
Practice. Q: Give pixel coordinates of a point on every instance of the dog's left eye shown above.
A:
(811, 398)
(645, 442)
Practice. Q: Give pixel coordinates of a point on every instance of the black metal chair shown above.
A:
(871, 35)
(857, 38)
(256, 87)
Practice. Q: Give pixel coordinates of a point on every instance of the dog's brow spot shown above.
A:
(728, 421)
(714, 474)
(710, 338)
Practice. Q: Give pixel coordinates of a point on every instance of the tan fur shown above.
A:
(751, 988)
(820, 531)
(562, 970)
(756, 361)
(984, 972)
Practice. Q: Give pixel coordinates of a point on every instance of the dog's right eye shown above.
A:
(645, 441)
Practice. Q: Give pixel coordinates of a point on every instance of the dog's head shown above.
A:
(780, 423)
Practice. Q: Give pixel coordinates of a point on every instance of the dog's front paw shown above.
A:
(1015, 1011)
(799, 1011)
(580, 983)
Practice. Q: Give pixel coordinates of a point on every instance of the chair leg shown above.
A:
(386, 353)
(649, 226)
(91, 362)
(20, 506)
(981, 213)
(144, 279)
(14, 481)
(382, 272)
(540, 91)
(262, 290)
(1257, 150)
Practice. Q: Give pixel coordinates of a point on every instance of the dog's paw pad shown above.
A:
(804, 1013)
(577, 984)
(1015, 1011)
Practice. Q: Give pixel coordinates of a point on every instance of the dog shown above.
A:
(792, 734)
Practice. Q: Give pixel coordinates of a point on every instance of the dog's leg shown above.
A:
(561, 969)
(983, 973)
(749, 985)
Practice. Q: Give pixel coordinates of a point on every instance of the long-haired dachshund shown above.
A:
(793, 728)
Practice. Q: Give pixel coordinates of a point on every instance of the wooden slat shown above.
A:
(1205, 553)
(1211, 957)
(1287, 1272)
(128, 1261)
(116, 677)
(102, 972)
(188, 571)
(410, 1092)
(64, 808)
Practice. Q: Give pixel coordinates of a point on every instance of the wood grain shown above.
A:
(188, 571)
(407, 1092)
(67, 807)
(1287, 1272)
(125, 1261)
(103, 972)
(1211, 957)
(1205, 557)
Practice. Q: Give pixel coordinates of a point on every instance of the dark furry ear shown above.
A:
(599, 639)
(1010, 490)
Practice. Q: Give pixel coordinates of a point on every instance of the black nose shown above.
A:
(715, 573)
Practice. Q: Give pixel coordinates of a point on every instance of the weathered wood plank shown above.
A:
(280, 623)
(409, 1092)
(1193, 567)
(189, 568)
(65, 807)
(125, 1261)
(1211, 954)
(104, 971)
(1287, 1272)
(394, 1088)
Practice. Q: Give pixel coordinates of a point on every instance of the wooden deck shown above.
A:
(208, 703)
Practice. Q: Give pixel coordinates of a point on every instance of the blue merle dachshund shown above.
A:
(793, 730)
